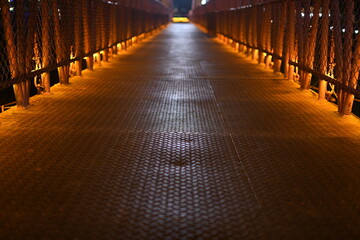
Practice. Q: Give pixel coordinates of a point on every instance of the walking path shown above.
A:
(179, 138)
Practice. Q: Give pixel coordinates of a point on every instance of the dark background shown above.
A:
(182, 7)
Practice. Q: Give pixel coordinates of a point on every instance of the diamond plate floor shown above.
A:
(179, 138)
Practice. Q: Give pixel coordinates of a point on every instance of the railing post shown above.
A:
(254, 33)
(324, 42)
(77, 35)
(290, 45)
(262, 33)
(268, 26)
(45, 46)
(61, 43)
(346, 99)
(10, 46)
(281, 19)
(87, 35)
(311, 45)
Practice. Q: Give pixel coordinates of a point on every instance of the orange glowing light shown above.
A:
(180, 20)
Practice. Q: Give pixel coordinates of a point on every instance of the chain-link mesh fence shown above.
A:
(38, 36)
(314, 42)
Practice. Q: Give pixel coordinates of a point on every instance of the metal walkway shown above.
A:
(179, 138)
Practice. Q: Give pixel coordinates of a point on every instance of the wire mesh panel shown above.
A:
(314, 42)
(38, 36)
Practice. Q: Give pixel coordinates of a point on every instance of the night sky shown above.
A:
(182, 6)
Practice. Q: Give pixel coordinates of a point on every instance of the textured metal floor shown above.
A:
(179, 138)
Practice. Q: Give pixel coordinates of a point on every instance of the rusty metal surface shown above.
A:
(178, 138)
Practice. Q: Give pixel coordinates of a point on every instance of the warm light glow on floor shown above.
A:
(180, 20)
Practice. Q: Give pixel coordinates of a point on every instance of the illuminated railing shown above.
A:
(315, 43)
(39, 36)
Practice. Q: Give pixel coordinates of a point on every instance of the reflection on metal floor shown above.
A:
(179, 138)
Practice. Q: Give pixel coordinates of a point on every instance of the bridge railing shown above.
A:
(37, 37)
(315, 43)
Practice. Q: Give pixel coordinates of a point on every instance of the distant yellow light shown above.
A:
(180, 20)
